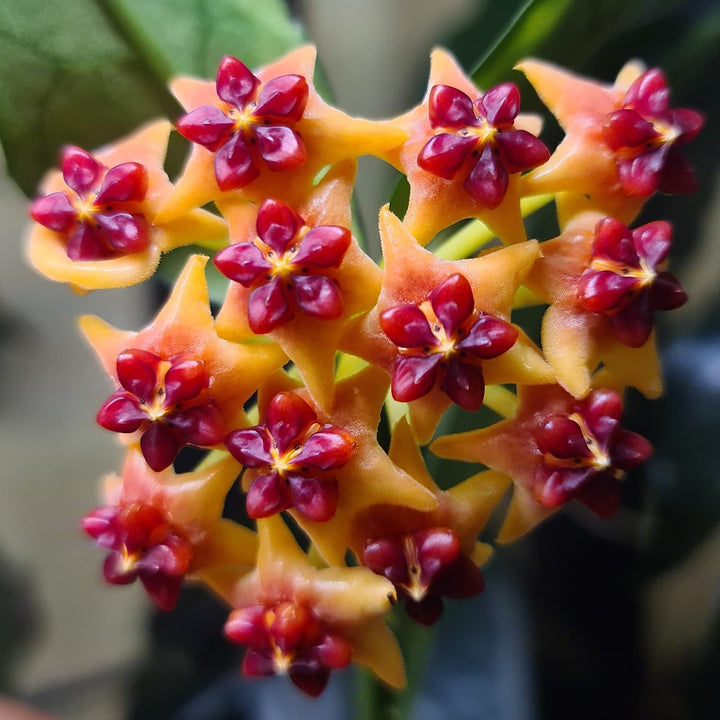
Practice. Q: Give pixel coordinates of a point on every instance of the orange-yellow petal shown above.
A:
(436, 203)
(582, 168)
(46, 250)
(185, 326)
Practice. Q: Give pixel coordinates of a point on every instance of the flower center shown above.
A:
(283, 463)
(243, 118)
(668, 133)
(128, 559)
(445, 343)
(281, 661)
(85, 208)
(484, 132)
(644, 274)
(157, 409)
(415, 588)
(283, 264)
(598, 459)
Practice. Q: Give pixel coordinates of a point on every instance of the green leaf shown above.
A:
(568, 32)
(190, 38)
(66, 76)
(89, 71)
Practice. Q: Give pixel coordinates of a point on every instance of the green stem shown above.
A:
(394, 409)
(376, 701)
(348, 365)
(503, 401)
(473, 236)
(213, 246)
(525, 297)
(373, 699)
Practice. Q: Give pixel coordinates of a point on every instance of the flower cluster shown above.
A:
(284, 386)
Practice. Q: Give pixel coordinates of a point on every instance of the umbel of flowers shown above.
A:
(285, 386)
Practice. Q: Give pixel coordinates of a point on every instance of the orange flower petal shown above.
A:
(46, 249)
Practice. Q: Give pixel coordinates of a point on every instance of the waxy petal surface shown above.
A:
(574, 340)
(583, 164)
(411, 274)
(47, 252)
(328, 136)
(184, 327)
(351, 601)
(369, 477)
(309, 341)
(438, 202)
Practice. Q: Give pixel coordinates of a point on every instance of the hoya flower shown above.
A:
(479, 132)
(425, 566)
(265, 134)
(604, 284)
(431, 555)
(464, 154)
(284, 265)
(288, 638)
(296, 455)
(167, 401)
(254, 125)
(555, 449)
(161, 527)
(323, 269)
(646, 133)
(623, 281)
(177, 381)
(141, 544)
(621, 141)
(303, 621)
(443, 340)
(96, 217)
(586, 452)
(369, 478)
(99, 215)
(436, 321)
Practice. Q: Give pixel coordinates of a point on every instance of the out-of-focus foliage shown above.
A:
(88, 71)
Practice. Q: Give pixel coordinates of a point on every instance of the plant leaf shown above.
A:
(190, 38)
(66, 77)
(89, 71)
(568, 32)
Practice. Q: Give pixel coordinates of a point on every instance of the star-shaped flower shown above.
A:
(435, 554)
(160, 527)
(624, 281)
(144, 545)
(297, 456)
(97, 221)
(294, 257)
(411, 280)
(253, 116)
(555, 449)
(178, 382)
(442, 340)
(303, 621)
(603, 284)
(313, 288)
(270, 131)
(464, 154)
(620, 141)
(646, 133)
(367, 478)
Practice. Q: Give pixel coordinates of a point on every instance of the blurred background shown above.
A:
(582, 619)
